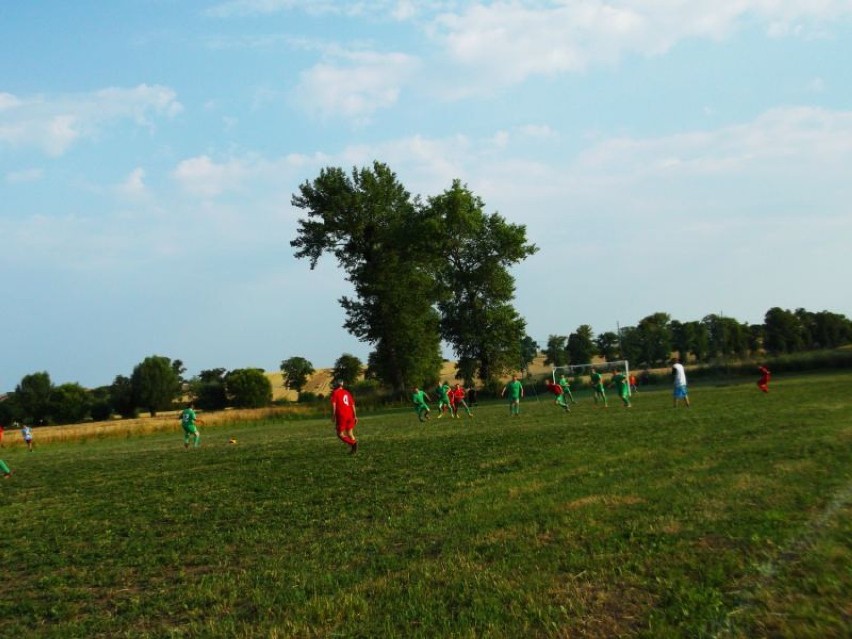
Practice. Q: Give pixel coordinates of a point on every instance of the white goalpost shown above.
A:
(584, 370)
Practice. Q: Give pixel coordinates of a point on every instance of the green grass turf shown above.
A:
(729, 519)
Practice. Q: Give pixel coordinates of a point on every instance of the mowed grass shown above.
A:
(729, 519)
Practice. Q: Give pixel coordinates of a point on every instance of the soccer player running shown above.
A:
(458, 400)
(680, 390)
(27, 434)
(443, 393)
(596, 381)
(566, 388)
(421, 403)
(557, 390)
(189, 422)
(763, 382)
(344, 416)
(622, 387)
(515, 390)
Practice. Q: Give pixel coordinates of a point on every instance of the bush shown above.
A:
(248, 388)
(307, 397)
(101, 411)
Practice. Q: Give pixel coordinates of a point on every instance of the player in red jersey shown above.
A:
(457, 395)
(344, 416)
(557, 390)
(763, 382)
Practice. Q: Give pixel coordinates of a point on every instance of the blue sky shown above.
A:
(685, 157)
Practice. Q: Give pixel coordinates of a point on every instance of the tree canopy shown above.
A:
(347, 369)
(477, 316)
(296, 371)
(421, 272)
(248, 388)
(156, 384)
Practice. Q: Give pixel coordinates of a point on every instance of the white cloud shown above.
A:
(8, 101)
(537, 131)
(357, 86)
(502, 43)
(251, 176)
(134, 184)
(25, 175)
(55, 123)
(801, 136)
(203, 177)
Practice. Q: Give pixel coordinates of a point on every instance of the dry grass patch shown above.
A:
(606, 500)
(160, 423)
(601, 610)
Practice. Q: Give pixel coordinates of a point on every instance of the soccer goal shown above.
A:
(584, 370)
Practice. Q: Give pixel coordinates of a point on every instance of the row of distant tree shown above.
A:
(652, 341)
(158, 383)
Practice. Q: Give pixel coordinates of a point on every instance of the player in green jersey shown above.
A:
(189, 422)
(596, 381)
(514, 390)
(442, 392)
(5, 470)
(566, 389)
(622, 387)
(421, 405)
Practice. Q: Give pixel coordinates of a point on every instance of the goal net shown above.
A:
(573, 372)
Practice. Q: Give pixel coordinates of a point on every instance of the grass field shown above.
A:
(729, 519)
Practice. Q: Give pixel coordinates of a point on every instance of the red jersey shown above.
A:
(556, 389)
(343, 403)
(457, 394)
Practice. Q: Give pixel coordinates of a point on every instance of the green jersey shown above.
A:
(187, 418)
(514, 389)
(620, 382)
(419, 397)
(441, 392)
(564, 383)
(595, 378)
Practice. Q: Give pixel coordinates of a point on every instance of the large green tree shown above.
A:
(296, 371)
(782, 331)
(32, 396)
(581, 345)
(121, 397)
(529, 351)
(208, 389)
(156, 384)
(70, 403)
(727, 336)
(555, 353)
(477, 316)
(348, 369)
(830, 330)
(608, 347)
(631, 346)
(655, 339)
(823, 329)
(379, 235)
(10, 412)
(248, 388)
